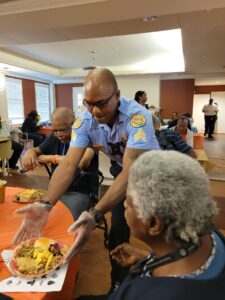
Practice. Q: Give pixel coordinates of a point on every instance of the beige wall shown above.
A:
(3, 103)
(130, 84)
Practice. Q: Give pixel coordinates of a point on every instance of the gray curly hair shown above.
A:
(174, 187)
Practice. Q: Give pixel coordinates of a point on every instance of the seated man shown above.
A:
(30, 128)
(182, 129)
(5, 131)
(170, 140)
(53, 150)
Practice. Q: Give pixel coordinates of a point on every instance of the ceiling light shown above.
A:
(149, 18)
(91, 67)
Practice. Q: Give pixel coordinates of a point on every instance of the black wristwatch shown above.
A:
(47, 203)
(97, 214)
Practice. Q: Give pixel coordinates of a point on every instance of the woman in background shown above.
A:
(141, 98)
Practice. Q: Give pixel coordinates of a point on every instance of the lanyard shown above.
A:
(63, 149)
(148, 264)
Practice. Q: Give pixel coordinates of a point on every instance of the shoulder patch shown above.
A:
(77, 123)
(137, 121)
(140, 135)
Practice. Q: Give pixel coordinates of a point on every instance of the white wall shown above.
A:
(219, 98)
(129, 85)
(198, 116)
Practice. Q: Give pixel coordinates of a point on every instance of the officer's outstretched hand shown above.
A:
(36, 217)
(83, 228)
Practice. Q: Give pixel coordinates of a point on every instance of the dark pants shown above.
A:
(119, 233)
(37, 138)
(17, 150)
(210, 124)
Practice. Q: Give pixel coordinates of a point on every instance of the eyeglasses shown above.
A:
(99, 104)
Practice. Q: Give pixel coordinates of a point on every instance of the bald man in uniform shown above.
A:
(120, 128)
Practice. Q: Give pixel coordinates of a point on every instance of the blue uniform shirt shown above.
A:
(133, 129)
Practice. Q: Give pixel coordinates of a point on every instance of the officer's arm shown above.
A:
(64, 174)
(86, 159)
(117, 191)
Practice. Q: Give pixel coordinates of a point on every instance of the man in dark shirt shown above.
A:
(53, 150)
(30, 128)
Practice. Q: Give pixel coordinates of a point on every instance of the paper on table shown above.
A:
(48, 283)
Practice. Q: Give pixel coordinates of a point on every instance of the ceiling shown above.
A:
(53, 40)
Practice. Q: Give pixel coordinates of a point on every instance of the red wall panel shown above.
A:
(64, 94)
(176, 95)
(28, 96)
(207, 89)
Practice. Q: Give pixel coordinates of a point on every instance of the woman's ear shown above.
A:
(155, 226)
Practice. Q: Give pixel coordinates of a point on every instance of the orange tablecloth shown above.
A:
(46, 130)
(59, 220)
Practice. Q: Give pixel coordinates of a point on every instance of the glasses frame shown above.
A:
(101, 104)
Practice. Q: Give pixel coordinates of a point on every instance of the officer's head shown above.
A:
(62, 120)
(101, 95)
(210, 101)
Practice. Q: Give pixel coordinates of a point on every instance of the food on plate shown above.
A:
(34, 258)
(29, 195)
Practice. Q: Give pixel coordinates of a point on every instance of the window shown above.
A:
(15, 100)
(42, 100)
(78, 96)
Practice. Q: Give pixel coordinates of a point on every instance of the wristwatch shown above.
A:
(98, 215)
(47, 203)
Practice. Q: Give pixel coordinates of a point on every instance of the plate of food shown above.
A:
(37, 257)
(29, 196)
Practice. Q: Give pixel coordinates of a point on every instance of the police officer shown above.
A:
(210, 113)
(121, 129)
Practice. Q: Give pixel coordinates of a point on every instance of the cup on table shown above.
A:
(2, 190)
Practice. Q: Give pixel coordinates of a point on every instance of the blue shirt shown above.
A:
(133, 129)
(170, 140)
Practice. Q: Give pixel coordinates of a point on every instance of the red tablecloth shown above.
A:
(198, 141)
(59, 221)
(46, 130)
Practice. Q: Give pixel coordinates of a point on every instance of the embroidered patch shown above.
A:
(140, 135)
(137, 121)
(74, 136)
(77, 123)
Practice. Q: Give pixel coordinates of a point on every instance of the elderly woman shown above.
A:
(169, 207)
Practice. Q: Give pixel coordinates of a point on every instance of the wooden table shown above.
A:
(26, 180)
(202, 157)
(59, 221)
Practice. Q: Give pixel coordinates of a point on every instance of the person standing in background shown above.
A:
(5, 131)
(210, 111)
(141, 98)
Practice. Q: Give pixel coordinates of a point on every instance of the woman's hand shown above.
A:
(127, 255)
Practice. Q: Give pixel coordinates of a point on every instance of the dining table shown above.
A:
(59, 220)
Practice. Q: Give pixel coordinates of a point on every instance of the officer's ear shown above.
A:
(118, 93)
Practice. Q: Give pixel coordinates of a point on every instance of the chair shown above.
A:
(5, 153)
